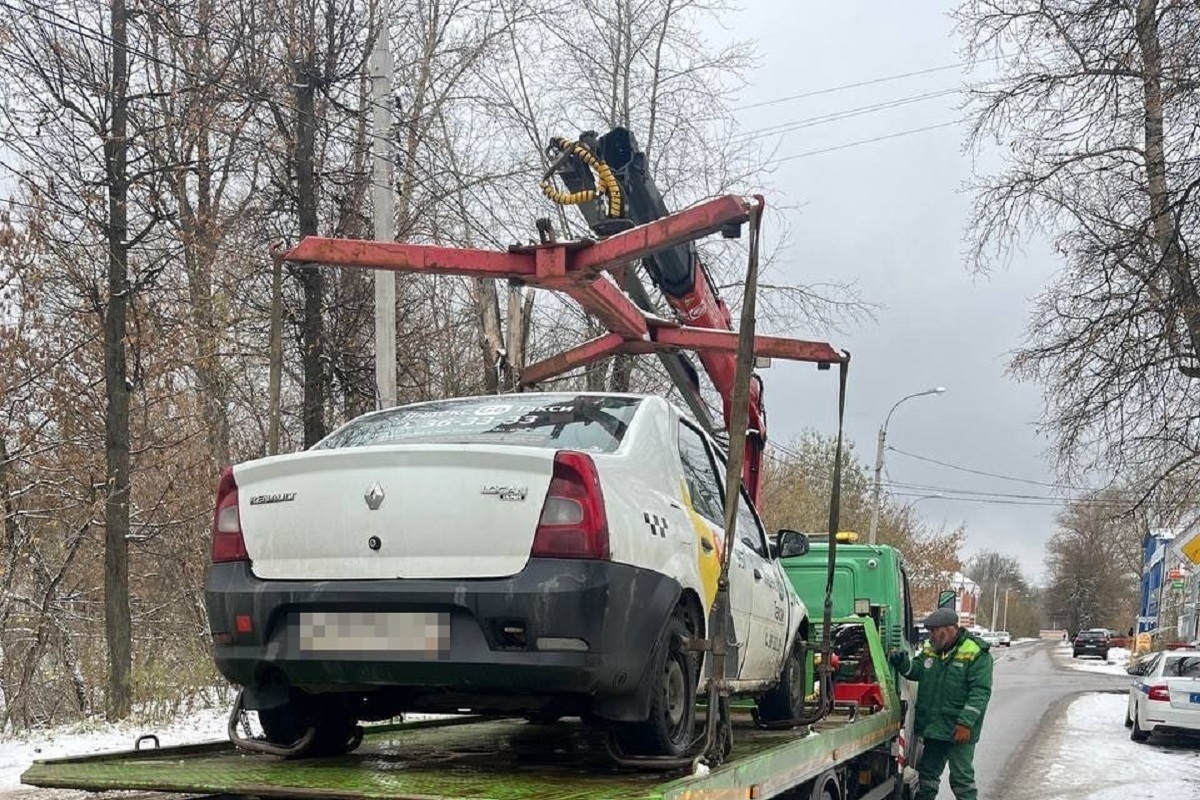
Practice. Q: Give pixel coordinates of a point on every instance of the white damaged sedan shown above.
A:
(537, 554)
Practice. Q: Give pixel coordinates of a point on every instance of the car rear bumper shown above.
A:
(584, 629)
(1092, 650)
(1162, 718)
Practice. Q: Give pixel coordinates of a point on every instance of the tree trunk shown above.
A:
(490, 339)
(1186, 299)
(311, 279)
(516, 333)
(116, 419)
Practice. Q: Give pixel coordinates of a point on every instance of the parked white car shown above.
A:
(1003, 638)
(543, 555)
(1165, 695)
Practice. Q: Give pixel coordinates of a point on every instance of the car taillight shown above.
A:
(1160, 693)
(227, 541)
(573, 522)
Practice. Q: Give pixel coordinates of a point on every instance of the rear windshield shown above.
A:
(1188, 667)
(575, 422)
(1097, 635)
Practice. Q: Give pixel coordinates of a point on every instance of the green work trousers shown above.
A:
(937, 754)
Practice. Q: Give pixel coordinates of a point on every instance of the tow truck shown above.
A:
(849, 744)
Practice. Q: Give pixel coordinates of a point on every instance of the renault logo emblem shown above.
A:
(374, 496)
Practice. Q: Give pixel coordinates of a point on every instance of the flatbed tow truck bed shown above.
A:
(495, 759)
(473, 758)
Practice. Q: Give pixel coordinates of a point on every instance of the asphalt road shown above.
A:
(1028, 688)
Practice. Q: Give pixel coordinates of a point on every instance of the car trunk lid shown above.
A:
(395, 511)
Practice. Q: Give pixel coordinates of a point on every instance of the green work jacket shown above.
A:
(955, 686)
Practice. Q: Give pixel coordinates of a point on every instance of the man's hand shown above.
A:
(962, 734)
(897, 658)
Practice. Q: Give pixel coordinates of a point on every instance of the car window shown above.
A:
(700, 475)
(590, 423)
(750, 529)
(1187, 667)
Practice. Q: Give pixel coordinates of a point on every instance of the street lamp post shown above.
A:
(1007, 589)
(879, 455)
(909, 505)
(995, 590)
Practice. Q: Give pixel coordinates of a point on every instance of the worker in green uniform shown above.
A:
(955, 672)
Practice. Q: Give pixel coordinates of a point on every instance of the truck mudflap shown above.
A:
(492, 759)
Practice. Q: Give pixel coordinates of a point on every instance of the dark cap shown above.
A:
(942, 618)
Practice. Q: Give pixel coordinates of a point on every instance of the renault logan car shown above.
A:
(543, 555)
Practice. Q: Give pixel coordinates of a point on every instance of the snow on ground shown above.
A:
(1115, 664)
(1090, 757)
(97, 736)
(17, 753)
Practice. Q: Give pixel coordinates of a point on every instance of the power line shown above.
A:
(837, 116)
(872, 140)
(986, 474)
(856, 85)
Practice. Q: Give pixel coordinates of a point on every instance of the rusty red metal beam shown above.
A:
(576, 357)
(684, 226)
(552, 266)
(398, 257)
(685, 338)
(577, 268)
(607, 303)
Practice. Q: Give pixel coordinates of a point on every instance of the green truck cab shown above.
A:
(869, 580)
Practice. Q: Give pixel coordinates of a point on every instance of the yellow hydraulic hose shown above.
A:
(608, 185)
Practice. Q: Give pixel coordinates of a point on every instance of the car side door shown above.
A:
(769, 616)
(706, 508)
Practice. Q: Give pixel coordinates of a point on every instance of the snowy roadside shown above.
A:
(1088, 755)
(97, 736)
(17, 753)
(1115, 664)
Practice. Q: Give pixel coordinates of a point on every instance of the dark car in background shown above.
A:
(1091, 643)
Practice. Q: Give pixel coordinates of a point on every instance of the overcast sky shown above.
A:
(891, 216)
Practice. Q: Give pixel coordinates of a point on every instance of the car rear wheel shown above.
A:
(786, 701)
(1137, 734)
(670, 727)
(337, 732)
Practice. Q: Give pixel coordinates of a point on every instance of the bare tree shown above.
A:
(1095, 107)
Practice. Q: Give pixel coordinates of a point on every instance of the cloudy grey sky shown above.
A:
(891, 216)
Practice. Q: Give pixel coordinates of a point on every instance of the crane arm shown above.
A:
(677, 271)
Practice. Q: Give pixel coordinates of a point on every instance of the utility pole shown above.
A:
(878, 476)
(384, 209)
(1004, 625)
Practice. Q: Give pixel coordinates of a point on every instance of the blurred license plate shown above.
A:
(1194, 698)
(420, 634)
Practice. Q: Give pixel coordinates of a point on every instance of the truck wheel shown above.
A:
(670, 728)
(786, 700)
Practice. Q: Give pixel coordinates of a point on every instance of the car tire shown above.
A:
(1128, 719)
(337, 733)
(1136, 733)
(786, 701)
(669, 730)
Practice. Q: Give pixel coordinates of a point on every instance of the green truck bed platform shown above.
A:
(484, 759)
